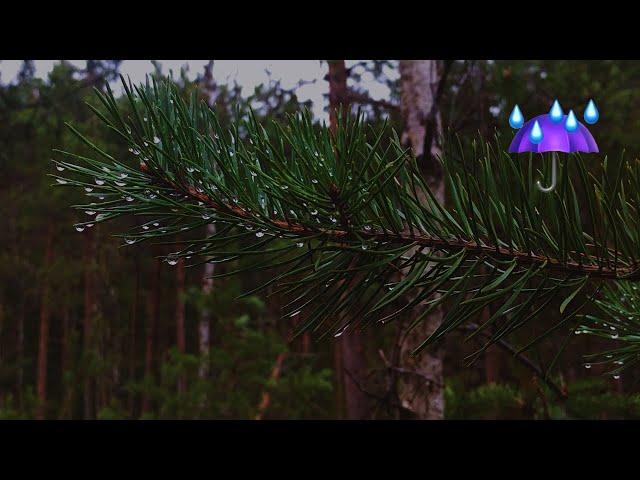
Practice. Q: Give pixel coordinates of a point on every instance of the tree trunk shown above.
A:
(45, 313)
(209, 88)
(90, 310)
(134, 336)
(421, 391)
(180, 314)
(204, 325)
(20, 353)
(152, 328)
(492, 355)
(65, 357)
(338, 92)
(348, 351)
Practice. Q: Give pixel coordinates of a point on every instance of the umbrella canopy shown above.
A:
(555, 137)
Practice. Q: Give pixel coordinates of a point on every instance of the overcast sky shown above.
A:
(248, 74)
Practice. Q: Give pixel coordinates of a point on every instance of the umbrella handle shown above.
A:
(554, 175)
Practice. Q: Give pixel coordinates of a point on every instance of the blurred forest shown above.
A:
(94, 329)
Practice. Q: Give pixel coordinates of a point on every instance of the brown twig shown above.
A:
(560, 392)
(266, 395)
(408, 238)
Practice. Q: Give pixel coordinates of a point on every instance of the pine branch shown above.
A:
(413, 239)
(356, 199)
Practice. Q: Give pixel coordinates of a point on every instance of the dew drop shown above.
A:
(156, 139)
(79, 228)
(128, 199)
(145, 227)
(88, 189)
(259, 234)
(120, 184)
(61, 181)
(60, 168)
(90, 212)
(339, 332)
(172, 259)
(129, 241)
(99, 181)
(587, 365)
(300, 244)
(313, 180)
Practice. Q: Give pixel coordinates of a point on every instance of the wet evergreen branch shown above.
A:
(336, 216)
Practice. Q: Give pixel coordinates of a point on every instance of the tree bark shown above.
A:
(209, 88)
(338, 92)
(152, 328)
(90, 310)
(45, 313)
(349, 351)
(420, 388)
(20, 353)
(492, 356)
(266, 395)
(204, 325)
(180, 314)
(134, 336)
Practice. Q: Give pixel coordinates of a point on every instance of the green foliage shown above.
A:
(594, 399)
(487, 402)
(364, 212)
(240, 365)
(12, 410)
(619, 323)
(587, 399)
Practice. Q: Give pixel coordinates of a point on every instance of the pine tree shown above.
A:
(338, 214)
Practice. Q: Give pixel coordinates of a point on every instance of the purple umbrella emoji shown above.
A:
(553, 132)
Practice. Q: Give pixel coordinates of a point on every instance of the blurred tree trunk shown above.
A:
(90, 310)
(348, 349)
(180, 314)
(67, 398)
(151, 333)
(492, 355)
(45, 313)
(20, 352)
(204, 324)
(421, 391)
(134, 336)
(2, 349)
